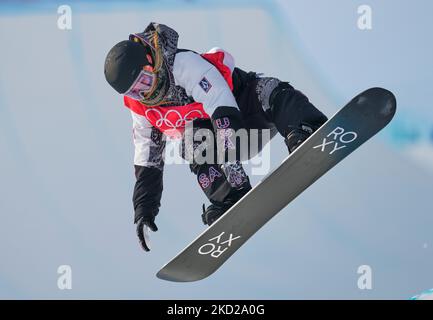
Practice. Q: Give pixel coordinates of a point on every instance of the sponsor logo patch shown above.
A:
(205, 84)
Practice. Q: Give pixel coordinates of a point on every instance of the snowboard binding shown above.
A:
(297, 136)
(217, 209)
(212, 213)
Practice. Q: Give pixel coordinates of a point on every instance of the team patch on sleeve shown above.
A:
(205, 84)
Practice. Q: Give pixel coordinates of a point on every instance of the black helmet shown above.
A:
(123, 64)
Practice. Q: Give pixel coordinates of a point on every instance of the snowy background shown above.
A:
(66, 174)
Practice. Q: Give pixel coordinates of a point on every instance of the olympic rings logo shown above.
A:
(163, 119)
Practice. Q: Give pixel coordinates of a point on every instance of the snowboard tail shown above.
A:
(349, 128)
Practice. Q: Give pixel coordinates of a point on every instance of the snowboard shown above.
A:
(358, 121)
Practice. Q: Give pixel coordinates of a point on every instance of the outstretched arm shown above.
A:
(149, 164)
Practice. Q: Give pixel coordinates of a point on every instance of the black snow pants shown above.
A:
(265, 103)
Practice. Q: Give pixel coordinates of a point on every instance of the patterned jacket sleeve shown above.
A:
(205, 83)
(149, 164)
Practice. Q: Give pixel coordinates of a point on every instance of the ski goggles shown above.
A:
(142, 86)
(137, 37)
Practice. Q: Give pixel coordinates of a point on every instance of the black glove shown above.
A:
(142, 224)
(146, 199)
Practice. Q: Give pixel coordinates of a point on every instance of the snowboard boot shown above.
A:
(297, 136)
(217, 209)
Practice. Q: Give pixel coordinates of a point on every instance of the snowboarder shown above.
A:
(167, 88)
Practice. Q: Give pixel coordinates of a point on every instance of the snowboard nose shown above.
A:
(375, 98)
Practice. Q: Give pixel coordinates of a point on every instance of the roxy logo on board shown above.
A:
(216, 246)
(336, 140)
